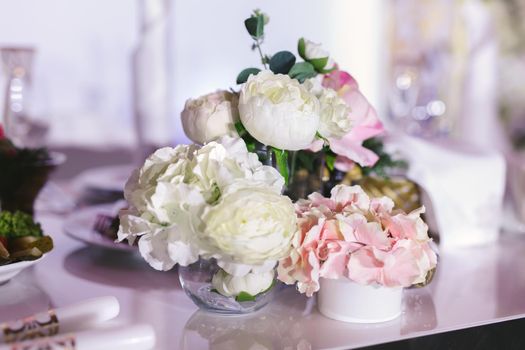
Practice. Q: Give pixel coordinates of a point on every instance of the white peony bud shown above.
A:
(210, 116)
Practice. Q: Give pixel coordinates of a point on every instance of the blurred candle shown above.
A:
(135, 337)
(361, 46)
(150, 77)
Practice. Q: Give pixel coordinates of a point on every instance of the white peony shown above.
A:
(170, 193)
(210, 116)
(218, 165)
(335, 113)
(251, 283)
(249, 226)
(314, 51)
(279, 111)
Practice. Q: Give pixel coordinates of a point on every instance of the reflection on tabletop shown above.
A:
(22, 296)
(292, 322)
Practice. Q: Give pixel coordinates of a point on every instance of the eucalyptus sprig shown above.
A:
(282, 62)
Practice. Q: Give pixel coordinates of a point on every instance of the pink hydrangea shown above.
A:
(352, 236)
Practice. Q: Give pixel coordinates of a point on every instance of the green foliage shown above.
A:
(281, 158)
(244, 296)
(301, 48)
(385, 160)
(255, 26)
(282, 62)
(319, 63)
(245, 135)
(306, 160)
(330, 160)
(245, 74)
(302, 71)
(18, 224)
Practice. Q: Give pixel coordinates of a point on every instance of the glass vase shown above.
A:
(196, 280)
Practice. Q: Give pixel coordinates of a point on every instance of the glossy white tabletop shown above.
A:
(472, 287)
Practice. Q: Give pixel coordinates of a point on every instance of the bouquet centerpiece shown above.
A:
(217, 208)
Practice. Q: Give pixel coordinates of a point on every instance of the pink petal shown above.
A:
(316, 146)
(344, 164)
(364, 267)
(337, 79)
(401, 268)
(335, 266)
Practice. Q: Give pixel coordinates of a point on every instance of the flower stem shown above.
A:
(292, 167)
(258, 44)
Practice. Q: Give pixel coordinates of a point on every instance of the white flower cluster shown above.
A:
(217, 201)
(275, 109)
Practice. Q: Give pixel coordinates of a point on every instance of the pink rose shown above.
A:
(364, 119)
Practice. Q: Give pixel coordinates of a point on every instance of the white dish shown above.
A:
(80, 226)
(11, 270)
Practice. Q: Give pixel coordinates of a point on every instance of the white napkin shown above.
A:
(465, 188)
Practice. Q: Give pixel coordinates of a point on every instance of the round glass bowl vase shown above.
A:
(196, 279)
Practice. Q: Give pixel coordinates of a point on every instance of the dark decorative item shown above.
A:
(24, 172)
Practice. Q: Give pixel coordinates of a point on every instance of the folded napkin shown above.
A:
(464, 189)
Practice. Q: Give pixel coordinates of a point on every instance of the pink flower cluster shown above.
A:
(365, 123)
(352, 236)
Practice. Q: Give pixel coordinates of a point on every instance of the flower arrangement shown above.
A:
(299, 113)
(212, 202)
(222, 200)
(352, 236)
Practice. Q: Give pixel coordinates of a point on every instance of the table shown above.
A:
(472, 287)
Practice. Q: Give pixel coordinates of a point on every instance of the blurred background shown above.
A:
(95, 77)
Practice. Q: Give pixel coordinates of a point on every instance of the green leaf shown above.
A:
(302, 71)
(319, 63)
(301, 48)
(385, 161)
(281, 158)
(240, 128)
(255, 26)
(244, 296)
(282, 62)
(307, 160)
(330, 161)
(245, 74)
(274, 282)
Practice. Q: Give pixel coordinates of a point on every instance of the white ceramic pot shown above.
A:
(345, 300)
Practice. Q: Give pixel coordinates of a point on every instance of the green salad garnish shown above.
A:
(18, 224)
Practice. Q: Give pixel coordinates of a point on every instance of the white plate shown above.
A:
(11, 270)
(80, 226)
(108, 178)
